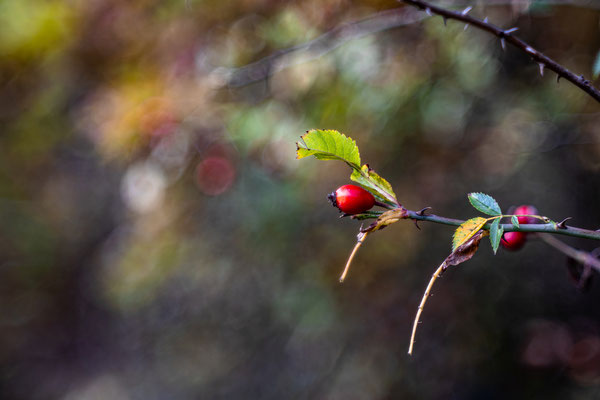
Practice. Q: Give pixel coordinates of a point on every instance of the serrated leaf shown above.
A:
(515, 221)
(333, 145)
(596, 66)
(496, 232)
(374, 183)
(328, 145)
(485, 203)
(466, 230)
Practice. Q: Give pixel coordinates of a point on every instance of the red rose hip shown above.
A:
(352, 199)
(515, 240)
(526, 210)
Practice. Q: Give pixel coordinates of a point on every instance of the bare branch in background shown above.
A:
(506, 36)
(585, 258)
(262, 69)
(382, 21)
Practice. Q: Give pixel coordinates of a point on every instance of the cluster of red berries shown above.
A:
(515, 240)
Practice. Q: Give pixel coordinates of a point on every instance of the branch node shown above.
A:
(423, 211)
(466, 10)
(562, 224)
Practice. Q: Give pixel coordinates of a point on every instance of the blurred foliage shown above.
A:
(159, 239)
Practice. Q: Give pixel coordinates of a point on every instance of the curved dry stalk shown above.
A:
(359, 242)
(438, 272)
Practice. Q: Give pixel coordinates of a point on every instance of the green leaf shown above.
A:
(484, 203)
(515, 221)
(496, 232)
(596, 66)
(466, 230)
(375, 184)
(328, 145)
(333, 145)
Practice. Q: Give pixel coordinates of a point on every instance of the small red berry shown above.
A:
(513, 240)
(526, 210)
(352, 199)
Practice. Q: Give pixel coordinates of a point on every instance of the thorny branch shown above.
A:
(507, 36)
(560, 228)
(329, 41)
(547, 228)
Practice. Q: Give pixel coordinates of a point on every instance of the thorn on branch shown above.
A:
(542, 66)
(562, 224)
(511, 30)
(445, 21)
(417, 224)
(503, 44)
(485, 20)
(466, 27)
(423, 211)
(466, 10)
(428, 11)
(558, 78)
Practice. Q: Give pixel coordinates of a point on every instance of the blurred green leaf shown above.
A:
(515, 221)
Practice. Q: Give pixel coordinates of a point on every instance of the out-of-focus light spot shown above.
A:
(585, 356)
(103, 387)
(215, 175)
(549, 344)
(172, 152)
(156, 118)
(143, 187)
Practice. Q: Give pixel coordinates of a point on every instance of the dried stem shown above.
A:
(359, 242)
(507, 36)
(426, 295)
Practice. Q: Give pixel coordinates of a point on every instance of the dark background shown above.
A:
(158, 239)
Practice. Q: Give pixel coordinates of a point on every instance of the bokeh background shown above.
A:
(158, 239)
